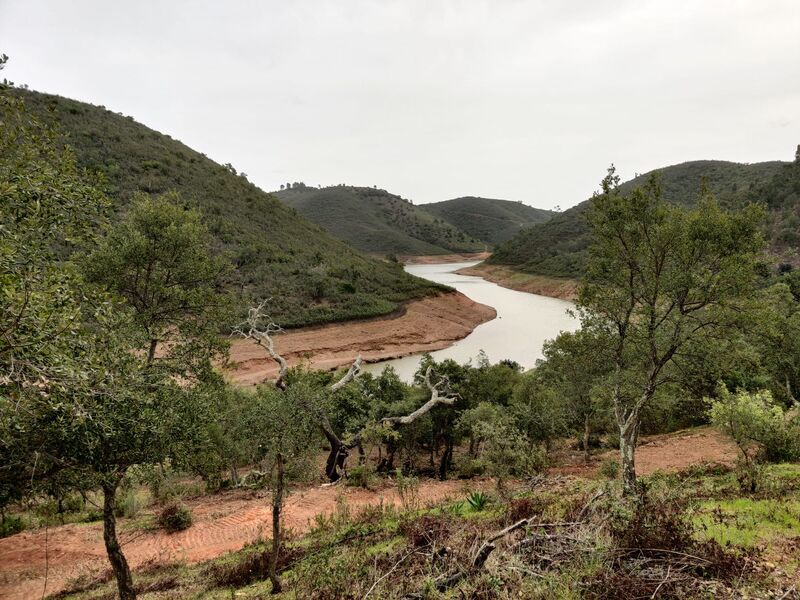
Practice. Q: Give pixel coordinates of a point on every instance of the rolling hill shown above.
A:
(311, 276)
(377, 222)
(486, 219)
(558, 247)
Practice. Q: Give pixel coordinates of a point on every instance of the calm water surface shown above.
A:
(524, 321)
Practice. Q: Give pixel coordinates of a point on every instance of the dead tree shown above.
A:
(260, 328)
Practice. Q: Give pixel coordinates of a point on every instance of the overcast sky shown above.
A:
(432, 99)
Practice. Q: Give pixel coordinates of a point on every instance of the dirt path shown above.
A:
(228, 521)
(223, 523)
(425, 325)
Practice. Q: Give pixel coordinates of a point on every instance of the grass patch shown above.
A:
(748, 522)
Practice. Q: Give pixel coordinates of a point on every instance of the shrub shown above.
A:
(253, 566)
(471, 467)
(127, 504)
(359, 476)
(609, 468)
(11, 525)
(426, 530)
(407, 489)
(175, 517)
(524, 508)
(757, 424)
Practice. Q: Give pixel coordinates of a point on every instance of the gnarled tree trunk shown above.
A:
(122, 571)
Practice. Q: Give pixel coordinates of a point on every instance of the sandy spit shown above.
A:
(422, 326)
(565, 289)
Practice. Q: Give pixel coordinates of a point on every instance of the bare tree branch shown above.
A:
(436, 399)
(353, 372)
(260, 328)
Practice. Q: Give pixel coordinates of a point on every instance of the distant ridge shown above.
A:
(378, 222)
(487, 219)
(558, 247)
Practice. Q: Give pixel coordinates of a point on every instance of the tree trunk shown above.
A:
(151, 354)
(444, 464)
(234, 475)
(277, 504)
(627, 450)
(587, 430)
(115, 556)
(362, 456)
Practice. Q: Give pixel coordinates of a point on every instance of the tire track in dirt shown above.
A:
(223, 523)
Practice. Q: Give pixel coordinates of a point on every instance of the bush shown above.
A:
(11, 525)
(175, 517)
(359, 476)
(757, 424)
(471, 467)
(609, 468)
(254, 566)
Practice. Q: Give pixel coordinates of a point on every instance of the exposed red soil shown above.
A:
(228, 521)
(422, 326)
(222, 523)
(435, 259)
(670, 452)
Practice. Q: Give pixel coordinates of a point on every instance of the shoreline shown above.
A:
(436, 259)
(553, 287)
(422, 325)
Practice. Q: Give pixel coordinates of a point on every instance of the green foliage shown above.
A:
(157, 258)
(175, 517)
(377, 222)
(659, 278)
(11, 525)
(609, 468)
(271, 246)
(756, 423)
(559, 247)
(478, 501)
(488, 220)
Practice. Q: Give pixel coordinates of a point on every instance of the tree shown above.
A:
(286, 434)
(658, 277)
(159, 259)
(573, 367)
(48, 209)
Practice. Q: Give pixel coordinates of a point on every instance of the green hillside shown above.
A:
(489, 220)
(558, 247)
(311, 276)
(376, 221)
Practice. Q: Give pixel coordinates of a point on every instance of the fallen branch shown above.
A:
(489, 545)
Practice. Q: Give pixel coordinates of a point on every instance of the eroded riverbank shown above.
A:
(553, 287)
(423, 326)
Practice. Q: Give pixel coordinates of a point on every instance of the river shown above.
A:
(524, 322)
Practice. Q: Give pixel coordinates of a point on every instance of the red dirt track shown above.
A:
(227, 521)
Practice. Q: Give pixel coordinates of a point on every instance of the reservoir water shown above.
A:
(523, 323)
